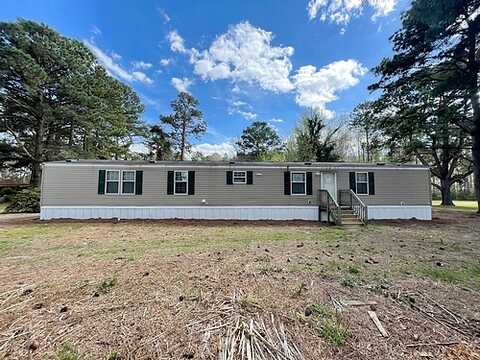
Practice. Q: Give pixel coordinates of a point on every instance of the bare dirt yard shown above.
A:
(214, 290)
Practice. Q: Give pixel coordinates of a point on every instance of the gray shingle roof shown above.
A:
(234, 163)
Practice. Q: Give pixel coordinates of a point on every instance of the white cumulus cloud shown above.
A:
(139, 148)
(342, 11)
(177, 44)
(249, 115)
(210, 149)
(181, 85)
(141, 65)
(163, 14)
(242, 108)
(245, 53)
(165, 62)
(115, 69)
(276, 120)
(142, 77)
(315, 88)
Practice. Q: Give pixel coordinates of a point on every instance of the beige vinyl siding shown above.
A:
(72, 185)
(394, 186)
(76, 185)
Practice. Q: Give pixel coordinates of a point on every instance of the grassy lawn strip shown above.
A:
(459, 205)
(468, 275)
(3, 206)
(51, 239)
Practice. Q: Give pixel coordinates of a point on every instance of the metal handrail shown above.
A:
(358, 207)
(328, 203)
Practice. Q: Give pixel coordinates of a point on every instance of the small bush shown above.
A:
(349, 281)
(114, 356)
(25, 201)
(353, 269)
(321, 309)
(107, 285)
(67, 352)
(7, 194)
(333, 330)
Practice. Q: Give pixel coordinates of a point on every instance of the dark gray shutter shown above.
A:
(371, 183)
(191, 183)
(309, 184)
(138, 182)
(353, 183)
(170, 179)
(249, 177)
(101, 182)
(229, 177)
(286, 183)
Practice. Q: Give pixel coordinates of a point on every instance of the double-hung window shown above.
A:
(298, 183)
(112, 182)
(128, 182)
(181, 182)
(362, 183)
(239, 177)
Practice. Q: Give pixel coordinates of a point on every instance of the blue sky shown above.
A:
(244, 60)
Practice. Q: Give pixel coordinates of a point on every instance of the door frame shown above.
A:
(334, 195)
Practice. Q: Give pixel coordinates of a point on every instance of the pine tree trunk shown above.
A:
(475, 103)
(182, 145)
(476, 164)
(36, 173)
(37, 153)
(445, 188)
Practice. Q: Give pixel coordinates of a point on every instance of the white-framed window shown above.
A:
(361, 183)
(112, 182)
(128, 182)
(298, 183)
(239, 177)
(181, 183)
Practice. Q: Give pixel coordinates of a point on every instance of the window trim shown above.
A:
(236, 182)
(298, 182)
(362, 182)
(175, 182)
(134, 182)
(107, 181)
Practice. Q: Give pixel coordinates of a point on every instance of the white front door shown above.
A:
(329, 182)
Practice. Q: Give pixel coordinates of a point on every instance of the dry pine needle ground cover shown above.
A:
(233, 290)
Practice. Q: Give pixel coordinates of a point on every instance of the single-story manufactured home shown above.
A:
(337, 192)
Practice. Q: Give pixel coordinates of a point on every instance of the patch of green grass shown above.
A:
(18, 239)
(349, 281)
(354, 269)
(333, 330)
(459, 205)
(114, 356)
(262, 258)
(265, 270)
(322, 310)
(468, 275)
(67, 352)
(124, 240)
(107, 285)
(300, 289)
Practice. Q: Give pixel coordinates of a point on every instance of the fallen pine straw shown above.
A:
(257, 339)
(462, 352)
(243, 330)
(434, 311)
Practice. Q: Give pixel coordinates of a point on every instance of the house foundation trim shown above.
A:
(420, 212)
(181, 212)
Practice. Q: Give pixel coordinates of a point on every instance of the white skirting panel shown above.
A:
(181, 212)
(400, 212)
